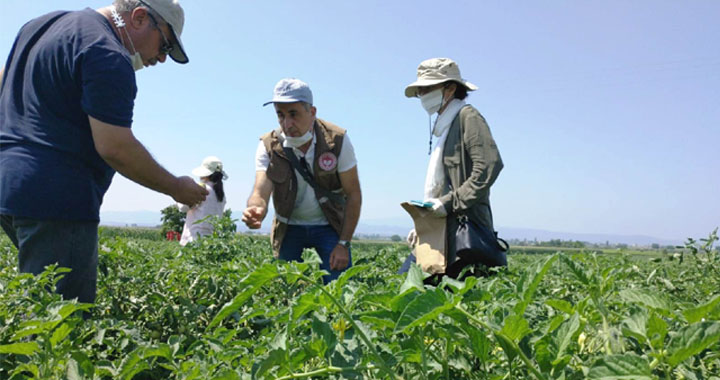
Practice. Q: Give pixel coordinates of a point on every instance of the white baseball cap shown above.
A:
(210, 165)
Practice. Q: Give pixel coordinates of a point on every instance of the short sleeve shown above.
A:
(262, 158)
(108, 86)
(347, 159)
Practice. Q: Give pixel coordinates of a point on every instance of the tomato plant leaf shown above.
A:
(691, 340)
(649, 299)
(25, 348)
(628, 366)
(303, 304)
(132, 364)
(515, 327)
(536, 273)
(560, 305)
(565, 335)
(508, 346)
(348, 274)
(252, 283)
(413, 280)
(59, 334)
(423, 308)
(636, 325)
(695, 314)
(657, 329)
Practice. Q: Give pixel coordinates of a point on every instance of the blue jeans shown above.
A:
(322, 238)
(70, 244)
(406, 265)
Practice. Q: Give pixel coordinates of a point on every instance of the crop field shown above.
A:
(222, 308)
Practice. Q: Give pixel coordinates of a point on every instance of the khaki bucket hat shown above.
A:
(437, 70)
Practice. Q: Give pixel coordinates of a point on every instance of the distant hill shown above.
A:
(122, 218)
(542, 235)
(400, 226)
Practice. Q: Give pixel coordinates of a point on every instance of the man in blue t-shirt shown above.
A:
(66, 104)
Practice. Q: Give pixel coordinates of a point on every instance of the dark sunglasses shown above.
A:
(166, 47)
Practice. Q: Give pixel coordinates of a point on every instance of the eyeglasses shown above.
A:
(166, 47)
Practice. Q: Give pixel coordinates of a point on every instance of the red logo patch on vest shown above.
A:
(327, 161)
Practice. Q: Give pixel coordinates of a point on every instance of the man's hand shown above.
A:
(188, 192)
(253, 217)
(339, 258)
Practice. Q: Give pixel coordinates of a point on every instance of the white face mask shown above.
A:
(432, 101)
(137, 61)
(297, 142)
(135, 58)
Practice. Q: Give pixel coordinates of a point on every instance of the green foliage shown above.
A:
(222, 307)
(172, 219)
(147, 233)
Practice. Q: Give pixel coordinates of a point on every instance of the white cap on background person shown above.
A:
(210, 165)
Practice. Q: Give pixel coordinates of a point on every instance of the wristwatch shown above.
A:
(344, 243)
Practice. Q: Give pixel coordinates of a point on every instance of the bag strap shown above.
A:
(465, 175)
(304, 171)
(462, 152)
(504, 246)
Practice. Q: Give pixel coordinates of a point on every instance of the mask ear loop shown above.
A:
(120, 24)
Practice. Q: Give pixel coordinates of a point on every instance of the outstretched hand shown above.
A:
(253, 217)
(188, 192)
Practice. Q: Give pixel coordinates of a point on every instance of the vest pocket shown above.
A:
(278, 172)
(329, 180)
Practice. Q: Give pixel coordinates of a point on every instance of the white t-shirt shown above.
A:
(307, 209)
(211, 206)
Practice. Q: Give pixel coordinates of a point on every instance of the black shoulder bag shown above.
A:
(475, 243)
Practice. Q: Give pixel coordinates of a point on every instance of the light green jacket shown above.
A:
(482, 163)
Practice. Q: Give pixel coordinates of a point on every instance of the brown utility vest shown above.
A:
(328, 139)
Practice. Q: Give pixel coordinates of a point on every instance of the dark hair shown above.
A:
(216, 179)
(461, 91)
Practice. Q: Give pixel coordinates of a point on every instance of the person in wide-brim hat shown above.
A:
(464, 159)
(435, 71)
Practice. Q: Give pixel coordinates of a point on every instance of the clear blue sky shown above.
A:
(606, 113)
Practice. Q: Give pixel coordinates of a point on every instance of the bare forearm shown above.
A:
(256, 200)
(352, 215)
(119, 148)
(2, 73)
(133, 161)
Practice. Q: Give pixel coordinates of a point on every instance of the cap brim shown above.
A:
(201, 172)
(178, 53)
(282, 101)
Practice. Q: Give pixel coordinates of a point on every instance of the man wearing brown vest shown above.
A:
(308, 165)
